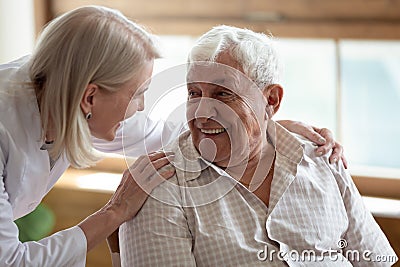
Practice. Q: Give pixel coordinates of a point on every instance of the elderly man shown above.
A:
(246, 191)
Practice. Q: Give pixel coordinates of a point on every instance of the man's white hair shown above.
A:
(255, 52)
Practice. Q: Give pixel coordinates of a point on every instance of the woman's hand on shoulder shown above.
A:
(136, 184)
(138, 181)
(323, 137)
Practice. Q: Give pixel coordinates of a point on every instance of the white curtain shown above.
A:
(17, 29)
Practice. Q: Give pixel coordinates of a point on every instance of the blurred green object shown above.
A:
(36, 225)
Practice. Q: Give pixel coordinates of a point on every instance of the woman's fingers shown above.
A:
(158, 178)
(148, 167)
(323, 137)
(338, 153)
(153, 172)
(345, 164)
(329, 141)
(139, 180)
(144, 160)
(303, 129)
(314, 135)
(331, 145)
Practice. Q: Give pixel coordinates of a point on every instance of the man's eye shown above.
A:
(192, 93)
(226, 94)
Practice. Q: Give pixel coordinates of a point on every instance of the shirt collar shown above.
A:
(187, 162)
(287, 144)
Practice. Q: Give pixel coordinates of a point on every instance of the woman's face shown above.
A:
(111, 109)
(225, 112)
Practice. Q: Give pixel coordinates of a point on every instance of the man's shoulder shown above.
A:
(296, 146)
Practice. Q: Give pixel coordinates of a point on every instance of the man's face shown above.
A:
(225, 112)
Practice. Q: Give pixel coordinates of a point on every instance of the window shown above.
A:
(309, 81)
(370, 79)
(166, 97)
(16, 29)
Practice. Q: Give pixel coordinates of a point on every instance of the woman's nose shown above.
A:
(141, 104)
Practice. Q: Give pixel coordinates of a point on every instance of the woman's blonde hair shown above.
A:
(90, 44)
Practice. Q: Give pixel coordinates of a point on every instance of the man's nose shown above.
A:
(206, 109)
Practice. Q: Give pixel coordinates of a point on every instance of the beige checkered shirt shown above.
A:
(202, 217)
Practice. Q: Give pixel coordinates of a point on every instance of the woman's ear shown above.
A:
(273, 94)
(88, 98)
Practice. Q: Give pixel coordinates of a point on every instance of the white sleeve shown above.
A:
(140, 135)
(65, 248)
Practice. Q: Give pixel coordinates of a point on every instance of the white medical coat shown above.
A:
(25, 175)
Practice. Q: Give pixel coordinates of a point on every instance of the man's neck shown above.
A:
(254, 169)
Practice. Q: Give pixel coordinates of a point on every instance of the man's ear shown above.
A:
(88, 98)
(273, 94)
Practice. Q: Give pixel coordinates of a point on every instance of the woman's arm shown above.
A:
(136, 184)
(67, 248)
(323, 137)
(140, 135)
(64, 248)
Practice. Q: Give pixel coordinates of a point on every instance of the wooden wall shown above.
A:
(367, 19)
(71, 206)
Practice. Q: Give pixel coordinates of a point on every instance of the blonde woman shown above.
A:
(86, 76)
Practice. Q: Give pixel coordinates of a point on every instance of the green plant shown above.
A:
(36, 225)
